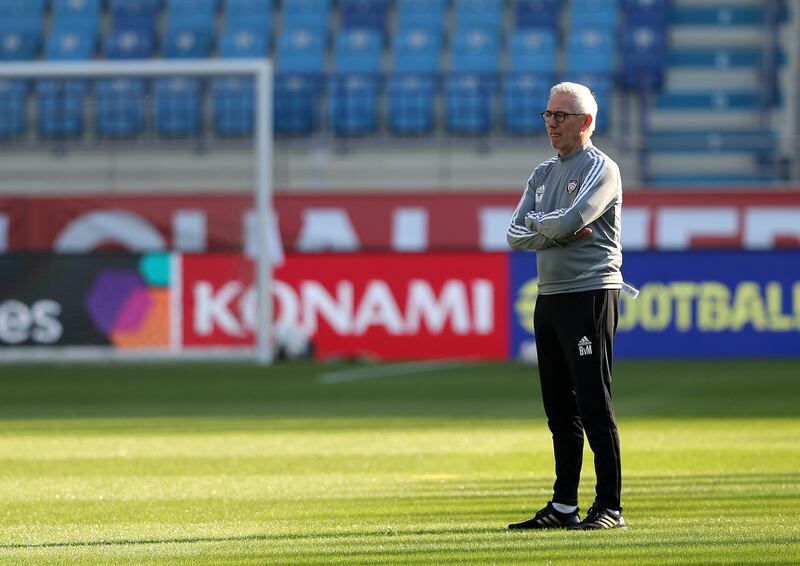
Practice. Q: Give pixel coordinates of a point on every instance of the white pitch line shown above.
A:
(383, 371)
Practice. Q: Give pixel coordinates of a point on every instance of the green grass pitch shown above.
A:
(321, 464)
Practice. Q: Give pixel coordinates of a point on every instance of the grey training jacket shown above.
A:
(563, 195)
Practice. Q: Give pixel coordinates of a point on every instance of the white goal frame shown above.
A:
(262, 72)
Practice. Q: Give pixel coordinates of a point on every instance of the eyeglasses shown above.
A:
(559, 116)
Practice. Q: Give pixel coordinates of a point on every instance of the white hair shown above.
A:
(584, 99)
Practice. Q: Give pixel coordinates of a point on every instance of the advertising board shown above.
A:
(384, 222)
(402, 306)
(699, 304)
(118, 300)
(691, 305)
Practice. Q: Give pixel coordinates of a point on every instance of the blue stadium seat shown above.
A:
(60, 106)
(353, 105)
(594, 13)
(301, 51)
(139, 15)
(13, 116)
(525, 97)
(196, 15)
(475, 51)
(249, 14)
(76, 15)
(22, 14)
(244, 42)
(187, 43)
(21, 23)
(591, 50)
(479, 14)
(417, 50)
(119, 107)
(411, 103)
(233, 100)
(537, 14)
(427, 14)
(70, 45)
(358, 51)
(468, 103)
(311, 15)
(178, 107)
(129, 44)
(646, 12)
(532, 51)
(644, 55)
(19, 45)
(296, 104)
(364, 14)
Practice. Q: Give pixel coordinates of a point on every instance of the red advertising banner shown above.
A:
(406, 306)
(407, 222)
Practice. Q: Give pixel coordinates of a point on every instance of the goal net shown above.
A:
(129, 191)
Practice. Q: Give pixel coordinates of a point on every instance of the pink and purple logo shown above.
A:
(131, 307)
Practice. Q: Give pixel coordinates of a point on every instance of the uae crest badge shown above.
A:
(571, 186)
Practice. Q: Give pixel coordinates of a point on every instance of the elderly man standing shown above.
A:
(570, 213)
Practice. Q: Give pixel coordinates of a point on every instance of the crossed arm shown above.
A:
(530, 229)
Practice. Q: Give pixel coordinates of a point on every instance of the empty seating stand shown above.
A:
(309, 15)
(353, 105)
(644, 57)
(531, 73)
(132, 29)
(75, 29)
(421, 14)
(178, 107)
(602, 14)
(537, 14)
(533, 51)
(297, 104)
(61, 108)
(718, 97)
(525, 97)
(468, 101)
(591, 50)
(417, 50)
(644, 44)
(13, 115)
(233, 101)
(413, 67)
(358, 51)
(301, 51)
(353, 91)
(190, 29)
(486, 15)
(411, 99)
(134, 15)
(119, 107)
(247, 29)
(364, 14)
(21, 24)
(251, 14)
(129, 44)
(300, 60)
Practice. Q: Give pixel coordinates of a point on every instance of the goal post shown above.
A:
(261, 72)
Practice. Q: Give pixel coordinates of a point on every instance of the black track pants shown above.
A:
(574, 341)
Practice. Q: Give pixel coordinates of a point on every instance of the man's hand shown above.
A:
(582, 233)
(530, 218)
